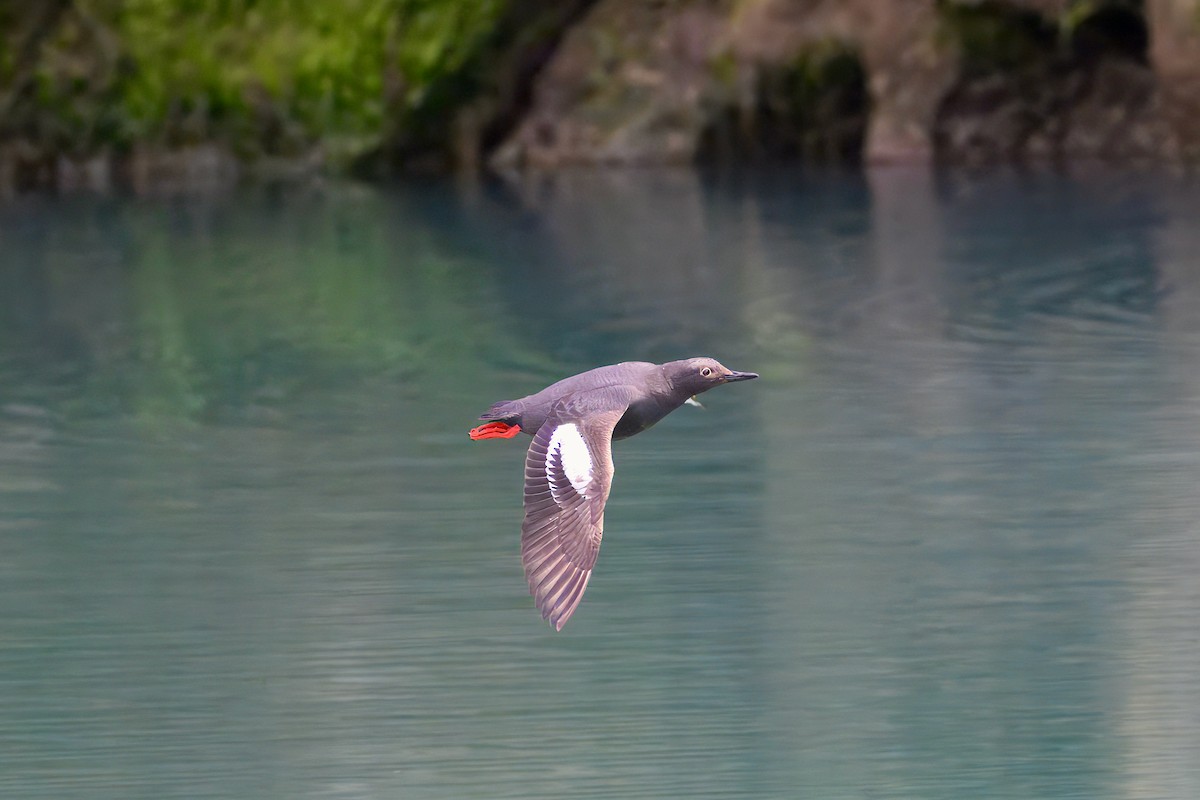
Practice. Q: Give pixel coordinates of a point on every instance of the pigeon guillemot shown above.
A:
(569, 469)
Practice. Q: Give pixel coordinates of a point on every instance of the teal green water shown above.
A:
(946, 547)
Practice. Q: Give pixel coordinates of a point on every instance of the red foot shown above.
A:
(494, 430)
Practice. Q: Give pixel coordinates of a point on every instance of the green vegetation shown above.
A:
(813, 107)
(996, 37)
(819, 101)
(263, 77)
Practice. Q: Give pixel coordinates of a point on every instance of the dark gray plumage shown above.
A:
(569, 469)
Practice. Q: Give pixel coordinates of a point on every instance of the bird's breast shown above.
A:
(638, 417)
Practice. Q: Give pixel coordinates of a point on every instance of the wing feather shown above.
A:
(568, 475)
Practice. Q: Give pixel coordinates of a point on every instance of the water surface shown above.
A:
(946, 547)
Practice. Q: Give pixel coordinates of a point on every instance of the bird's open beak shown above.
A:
(740, 376)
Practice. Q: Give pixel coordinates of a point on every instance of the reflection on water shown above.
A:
(946, 547)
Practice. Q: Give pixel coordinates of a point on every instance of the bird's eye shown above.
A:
(706, 372)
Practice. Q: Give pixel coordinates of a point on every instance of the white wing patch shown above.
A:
(568, 446)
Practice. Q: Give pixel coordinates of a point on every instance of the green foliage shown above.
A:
(826, 66)
(264, 76)
(817, 103)
(993, 36)
(996, 37)
(724, 68)
(1077, 11)
(813, 107)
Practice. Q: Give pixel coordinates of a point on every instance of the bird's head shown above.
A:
(692, 376)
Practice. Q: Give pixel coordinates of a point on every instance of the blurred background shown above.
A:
(263, 263)
(94, 92)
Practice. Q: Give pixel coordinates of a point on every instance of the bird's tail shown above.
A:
(505, 419)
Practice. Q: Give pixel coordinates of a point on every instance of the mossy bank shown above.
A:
(98, 92)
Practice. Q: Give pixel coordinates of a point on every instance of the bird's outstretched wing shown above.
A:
(568, 474)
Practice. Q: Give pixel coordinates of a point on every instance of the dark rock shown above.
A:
(1028, 91)
(1174, 27)
(973, 82)
(814, 108)
(636, 82)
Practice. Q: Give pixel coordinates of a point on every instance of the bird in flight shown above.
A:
(569, 469)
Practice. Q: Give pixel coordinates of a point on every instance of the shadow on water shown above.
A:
(945, 548)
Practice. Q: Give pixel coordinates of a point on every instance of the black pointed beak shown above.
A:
(740, 376)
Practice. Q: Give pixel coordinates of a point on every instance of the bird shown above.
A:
(569, 467)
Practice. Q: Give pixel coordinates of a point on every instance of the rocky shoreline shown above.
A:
(903, 80)
(703, 82)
